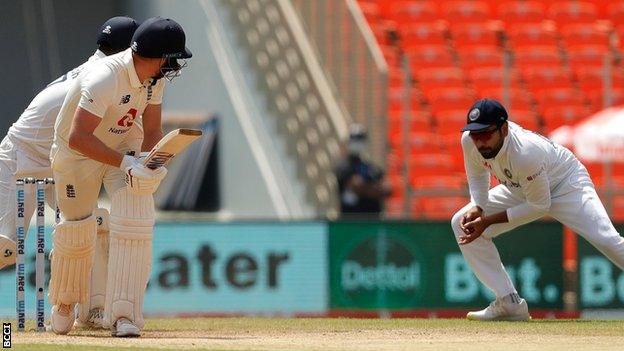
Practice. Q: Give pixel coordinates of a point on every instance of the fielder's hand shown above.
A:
(473, 230)
(140, 179)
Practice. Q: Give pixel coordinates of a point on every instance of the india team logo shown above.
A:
(474, 114)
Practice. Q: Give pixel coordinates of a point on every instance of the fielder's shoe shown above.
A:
(509, 308)
(7, 251)
(124, 328)
(95, 320)
(62, 318)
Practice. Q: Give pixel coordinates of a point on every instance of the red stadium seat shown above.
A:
(434, 163)
(471, 34)
(521, 35)
(480, 57)
(525, 118)
(423, 142)
(583, 34)
(597, 98)
(519, 98)
(538, 55)
(424, 33)
(557, 116)
(518, 12)
(426, 56)
(450, 99)
(558, 97)
(466, 11)
(573, 12)
(412, 11)
(440, 78)
(582, 56)
(543, 78)
(615, 12)
(491, 77)
(449, 122)
(439, 208)
(456, 182)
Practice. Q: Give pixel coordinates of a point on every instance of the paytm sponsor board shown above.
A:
(219, 268)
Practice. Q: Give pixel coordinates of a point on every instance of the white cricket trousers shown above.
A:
(575, 205)
(13, 159)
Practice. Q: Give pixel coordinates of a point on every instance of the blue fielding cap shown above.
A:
(484, 113)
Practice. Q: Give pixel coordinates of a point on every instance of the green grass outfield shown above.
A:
(340, 334)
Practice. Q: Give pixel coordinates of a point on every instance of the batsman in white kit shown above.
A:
(537, 177)
(89, 150)
(25, 152)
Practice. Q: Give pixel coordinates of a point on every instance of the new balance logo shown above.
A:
(70, 191)
(107, 30)
(124, 99)
(8, 253)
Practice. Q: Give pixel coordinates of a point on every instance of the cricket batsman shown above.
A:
(89, 149)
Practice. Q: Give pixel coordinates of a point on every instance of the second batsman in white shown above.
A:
(88, 150)
(537, 177)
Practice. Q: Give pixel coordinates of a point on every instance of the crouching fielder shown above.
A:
(537, 177)
(88, 151)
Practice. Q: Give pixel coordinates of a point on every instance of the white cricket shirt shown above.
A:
(528, 164)
(111, 90)
(34, 129)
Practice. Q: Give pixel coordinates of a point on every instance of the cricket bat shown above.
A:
(169, 146)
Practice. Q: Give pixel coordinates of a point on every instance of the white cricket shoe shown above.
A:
(95, 320)
(508, 308)
(7, 251)
(124, 328)
(62, 318)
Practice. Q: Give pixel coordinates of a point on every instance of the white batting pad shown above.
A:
(130, 256)
(73, 243)
(99, 272)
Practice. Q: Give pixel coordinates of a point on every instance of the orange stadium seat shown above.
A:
(426, 56)
(450, 99)
(424, 141)
(449, 122)
(455, 182)
(582, 56)
(423, 33)
(519, 98)
(617, 212)
(543, 78)
(525, 118)
(491, 78)
(370, 10)
(412, 11)
(615, 12)
(583, 34)
(438, 208)
(480, 57)
(466, 11)
(538, 55)
(573, 12)
(521, 35)
(440, 78)
(476, 33)
(596, 98)
(557, 116)
(591, 78)
(517, 12)
(432, 163)
(559, 96)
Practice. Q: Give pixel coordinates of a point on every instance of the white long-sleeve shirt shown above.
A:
(531, 166)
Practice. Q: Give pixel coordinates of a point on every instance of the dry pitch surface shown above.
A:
(341, 334)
